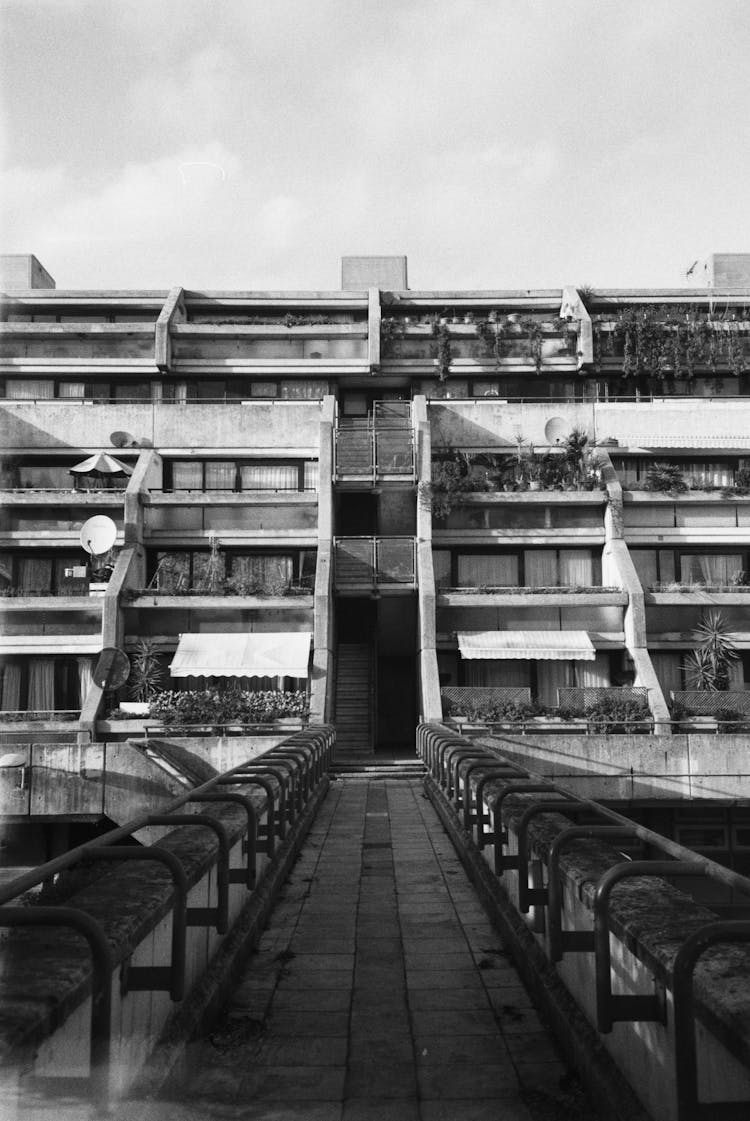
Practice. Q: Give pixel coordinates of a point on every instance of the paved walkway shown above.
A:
(380, 991)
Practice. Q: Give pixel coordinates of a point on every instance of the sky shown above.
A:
(234, 144)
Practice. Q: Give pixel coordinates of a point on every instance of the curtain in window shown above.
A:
(187, 475)
(27, 390)
(705, 569)
(263, 389)
(593, 675)
(35, 574)
(441, 565)
(262, 575)
(667, 669)
(312, 476)
(220, 475)
(303, 390)
(484, 672)
(11, 693)
(41, 685)
(645, 566)
(736, 675)
(487, 570)
(6, 569)
(551, 676)
(540, 566)
(269, 477)
(576, 568)
(71, 389)
(85, 678)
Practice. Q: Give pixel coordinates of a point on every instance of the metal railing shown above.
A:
(580, 698)
(287, 774)
(374, 562)
(709, 702)
(467, 777)
(374, 453)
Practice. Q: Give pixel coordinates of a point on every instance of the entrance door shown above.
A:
(397, 704)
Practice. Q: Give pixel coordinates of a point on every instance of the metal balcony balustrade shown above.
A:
(377, 447)
(368, 564)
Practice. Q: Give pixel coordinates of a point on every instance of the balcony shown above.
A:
(367, 456)
(373, 565)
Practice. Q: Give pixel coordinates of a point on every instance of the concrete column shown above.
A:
(321, 684)
(129, 572)
(373, 328)
(618, 568)
(172, 312)
(429, 680)
(573, 306)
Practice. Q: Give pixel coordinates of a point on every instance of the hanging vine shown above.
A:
(442, 351)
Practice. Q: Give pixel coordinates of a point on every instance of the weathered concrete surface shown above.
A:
(626, 767)
(379, 990)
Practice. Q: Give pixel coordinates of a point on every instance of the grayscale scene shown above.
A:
(374, 560)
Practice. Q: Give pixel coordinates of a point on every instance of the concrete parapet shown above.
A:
(46, 986)
(610, 1000)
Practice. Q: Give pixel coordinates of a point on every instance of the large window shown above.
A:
(240, 475)
(531, 568)
(44, 684)
(660, 568)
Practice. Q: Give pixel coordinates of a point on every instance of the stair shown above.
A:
(353, 706)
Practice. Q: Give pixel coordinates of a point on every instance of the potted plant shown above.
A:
(708, 665)
(146, 674)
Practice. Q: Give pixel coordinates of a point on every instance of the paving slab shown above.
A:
(380, 990)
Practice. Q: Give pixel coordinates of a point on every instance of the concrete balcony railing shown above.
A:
(364, 565)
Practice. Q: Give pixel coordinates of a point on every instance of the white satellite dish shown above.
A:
(98, 535)
(555, 430)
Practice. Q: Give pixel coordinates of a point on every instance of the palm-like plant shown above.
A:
(708, 665)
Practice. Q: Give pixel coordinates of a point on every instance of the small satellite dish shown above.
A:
(555, 430)
(98, 535)
(122, 440)
(144, 442)
(112, 668)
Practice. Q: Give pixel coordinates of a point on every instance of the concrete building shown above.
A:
(512, 511)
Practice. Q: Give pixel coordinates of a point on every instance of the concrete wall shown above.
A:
(636, 766)
(257, 427)
(661, 423)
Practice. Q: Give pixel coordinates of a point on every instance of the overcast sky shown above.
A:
(497, 143)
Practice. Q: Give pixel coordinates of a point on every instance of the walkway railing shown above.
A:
(369, 563)
(271, 793)
(566, 873)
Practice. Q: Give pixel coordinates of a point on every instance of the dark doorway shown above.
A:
(397, 704)
(357, 515)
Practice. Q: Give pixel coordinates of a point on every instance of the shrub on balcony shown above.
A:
(665, 478)
(227, 706)
(613, 714)
(495, 711)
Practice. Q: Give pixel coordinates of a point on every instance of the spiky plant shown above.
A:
(709, 664)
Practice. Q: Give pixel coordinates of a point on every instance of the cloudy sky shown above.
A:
(498, 143)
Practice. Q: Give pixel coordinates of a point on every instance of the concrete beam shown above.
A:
(321, 685)
(574, 307)
(172, 312)
(429, 680)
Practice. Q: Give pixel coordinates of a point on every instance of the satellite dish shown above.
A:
(122, 440)
(555, 430)
(98, 535)
(112, 669)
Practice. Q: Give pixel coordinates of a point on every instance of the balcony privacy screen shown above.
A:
(540, 645)
(276, 654)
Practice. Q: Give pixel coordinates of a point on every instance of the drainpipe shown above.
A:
(321, 685)
(429, 679)
(129, 572)
(618, 566)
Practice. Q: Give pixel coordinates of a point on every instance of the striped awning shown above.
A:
(284, 654)
(539, 645)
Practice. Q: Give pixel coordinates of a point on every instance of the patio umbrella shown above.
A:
(103, 466)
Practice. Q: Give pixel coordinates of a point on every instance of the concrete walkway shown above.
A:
(380, 991)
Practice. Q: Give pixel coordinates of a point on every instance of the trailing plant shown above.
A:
(708, 665)
(452, 478)
(442, 351)
(146, 671)
(665, 478)
(535, 335)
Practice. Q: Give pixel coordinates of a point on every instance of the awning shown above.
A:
(540, 645)
(50, 644)
(101, 464)
(283, 654)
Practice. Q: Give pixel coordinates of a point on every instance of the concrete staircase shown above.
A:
(353, 718)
